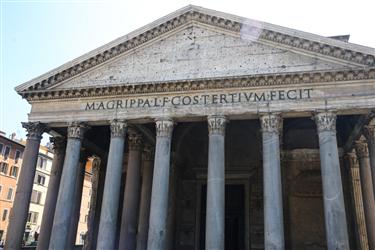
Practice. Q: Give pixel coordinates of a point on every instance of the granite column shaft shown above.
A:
(18, 216)
(160, 184)
(66, 198)
(129, 220)
(215, 207)
(272, 185)
(334, 207)
(59, 147)
(111, 194)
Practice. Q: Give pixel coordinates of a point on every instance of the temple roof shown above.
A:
(337, 51)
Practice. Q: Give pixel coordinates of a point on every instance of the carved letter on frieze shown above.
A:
(77, 130)
(135, 140)
(164, 127)
(271, 123)
(34, 130)
(216, 124)
(118, 128)
(325, 121)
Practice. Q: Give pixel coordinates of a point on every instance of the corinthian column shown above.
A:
(367, 190)
(369, 133)
(18, 216)
(144, 212)
(160, 183)
(111, 194)
(215, 207)
(356, 193)
(129, 220)
(334, 207)
(66, 198)
(272, 193)
(59, 146)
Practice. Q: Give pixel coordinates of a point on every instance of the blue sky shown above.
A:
(37, 36)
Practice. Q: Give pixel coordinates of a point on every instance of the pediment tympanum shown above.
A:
(197, 52)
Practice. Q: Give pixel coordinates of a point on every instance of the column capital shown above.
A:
(352, 158)
(271, 122)
(216, 124)
(77, 130)
(369, 132)
(118, 128)
(58, 143)
(34, 130)
(325, 121)
(164, 127)
(361, 148)
(148, 152)
(135, 140)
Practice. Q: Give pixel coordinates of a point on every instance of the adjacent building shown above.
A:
(10, 163)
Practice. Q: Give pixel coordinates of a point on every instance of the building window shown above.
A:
(17, 156)
(10, 194)
(82, 238)
(3, 167)
(1, 188)
(36, 197)
(32, 217)
(1, 148)
(14, 171)
(6, 152)
(5, 215)
(86, 217)
(42, 163)
(40, 179)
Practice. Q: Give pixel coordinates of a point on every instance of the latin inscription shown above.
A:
(201, 99)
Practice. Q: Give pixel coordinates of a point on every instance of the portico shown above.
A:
(231, 126)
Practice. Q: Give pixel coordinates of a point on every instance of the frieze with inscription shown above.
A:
(201, 99)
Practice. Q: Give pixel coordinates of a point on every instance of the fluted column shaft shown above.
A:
(367, 190)
(111, 194)
(357, 200)
(59, 147)
(18, 216)
(334, 207)
(272, 186)
(65, 199)
(129, 220)
(160, 183)
(369, 133)
(144, 212)
(215, 206)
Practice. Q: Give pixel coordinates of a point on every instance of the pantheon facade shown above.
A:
(208, 131)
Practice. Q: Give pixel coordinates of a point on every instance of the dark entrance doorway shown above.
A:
(234, 217)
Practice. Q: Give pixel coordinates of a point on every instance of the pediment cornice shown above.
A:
(310, 77)
(351, 53)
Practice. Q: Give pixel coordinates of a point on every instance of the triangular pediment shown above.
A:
(198, 52)
(197, 43)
